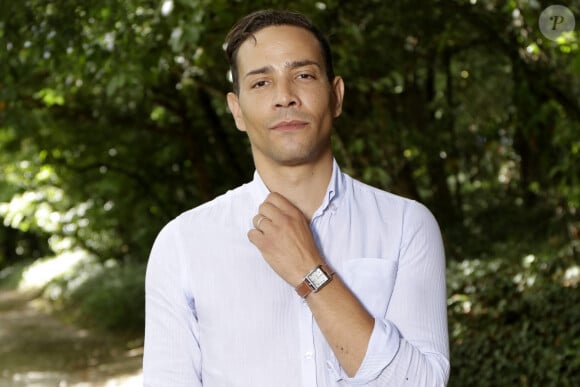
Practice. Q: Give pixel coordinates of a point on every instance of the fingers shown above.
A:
(282, 234)
(256, 237)
(258, 221)
(270, 211)
(276, 207)
(262, 218)
(275, 210)
(280, 202)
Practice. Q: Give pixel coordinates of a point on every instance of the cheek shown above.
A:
(323, 108)
(251, 109)
(320, 101)
(250, 117)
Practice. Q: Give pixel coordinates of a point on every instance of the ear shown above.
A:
(338, 95)
(234, 105)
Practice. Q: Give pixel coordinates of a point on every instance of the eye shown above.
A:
(259, 84)
(306, 76)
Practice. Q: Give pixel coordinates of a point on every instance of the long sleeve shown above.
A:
(171, 355)
(409, 346)
(218, 315)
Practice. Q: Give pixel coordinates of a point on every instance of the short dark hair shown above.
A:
(247, 26)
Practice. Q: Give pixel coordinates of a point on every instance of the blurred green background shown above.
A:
(113, 121)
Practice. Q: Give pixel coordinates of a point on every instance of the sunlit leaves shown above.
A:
(435, 97)
(47, 208)
(50, 97)
(113, 121)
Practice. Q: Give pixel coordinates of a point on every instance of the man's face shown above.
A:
(286, 103)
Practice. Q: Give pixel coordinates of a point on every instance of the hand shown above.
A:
(282, 234)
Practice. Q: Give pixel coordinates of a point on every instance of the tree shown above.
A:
(120, 105)
(113, 120)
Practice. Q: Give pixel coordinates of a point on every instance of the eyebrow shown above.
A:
(289, 65)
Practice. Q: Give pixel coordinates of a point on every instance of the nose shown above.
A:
(286, 95)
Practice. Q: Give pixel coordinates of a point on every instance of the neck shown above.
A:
(303, 185)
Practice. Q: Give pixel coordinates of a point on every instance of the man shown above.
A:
(304, 276)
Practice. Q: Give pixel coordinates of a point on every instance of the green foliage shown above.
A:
(121, 104)
(113, 120)
(512, 299)
(44, 207)
(107, 297)
(113, 300)
(10, 276)
(515, 324)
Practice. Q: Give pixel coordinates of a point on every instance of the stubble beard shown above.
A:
(297, 154)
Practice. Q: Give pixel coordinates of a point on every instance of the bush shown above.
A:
(111, 297)
(515, 323)
(10, 276)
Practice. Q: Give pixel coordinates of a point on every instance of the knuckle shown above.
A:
(286, 220)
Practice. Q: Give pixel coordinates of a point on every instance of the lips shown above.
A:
(289, 125)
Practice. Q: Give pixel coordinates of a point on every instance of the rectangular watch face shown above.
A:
(317, 278)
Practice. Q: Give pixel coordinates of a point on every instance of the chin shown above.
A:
(297, 159)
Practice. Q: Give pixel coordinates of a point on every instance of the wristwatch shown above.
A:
(315, 280)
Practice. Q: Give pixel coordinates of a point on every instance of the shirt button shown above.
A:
(308, 355)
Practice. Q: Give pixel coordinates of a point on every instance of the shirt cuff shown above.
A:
(383, 346)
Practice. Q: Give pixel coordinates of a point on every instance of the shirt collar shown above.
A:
(333, 192)
(258, 188)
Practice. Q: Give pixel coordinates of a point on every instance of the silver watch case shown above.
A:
(317, 278)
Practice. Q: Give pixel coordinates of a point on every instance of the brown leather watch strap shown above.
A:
(304, 289)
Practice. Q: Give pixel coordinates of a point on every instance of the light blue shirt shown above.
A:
(217, 315)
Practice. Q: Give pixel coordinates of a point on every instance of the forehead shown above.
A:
(278, 44)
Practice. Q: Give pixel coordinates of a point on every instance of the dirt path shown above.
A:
(36, 349)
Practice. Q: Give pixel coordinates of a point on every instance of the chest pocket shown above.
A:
(372, 280)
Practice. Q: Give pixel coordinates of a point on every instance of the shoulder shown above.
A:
(221, 204)
(408, 211)
(222, 210)
(374, 195)
(366, 189)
